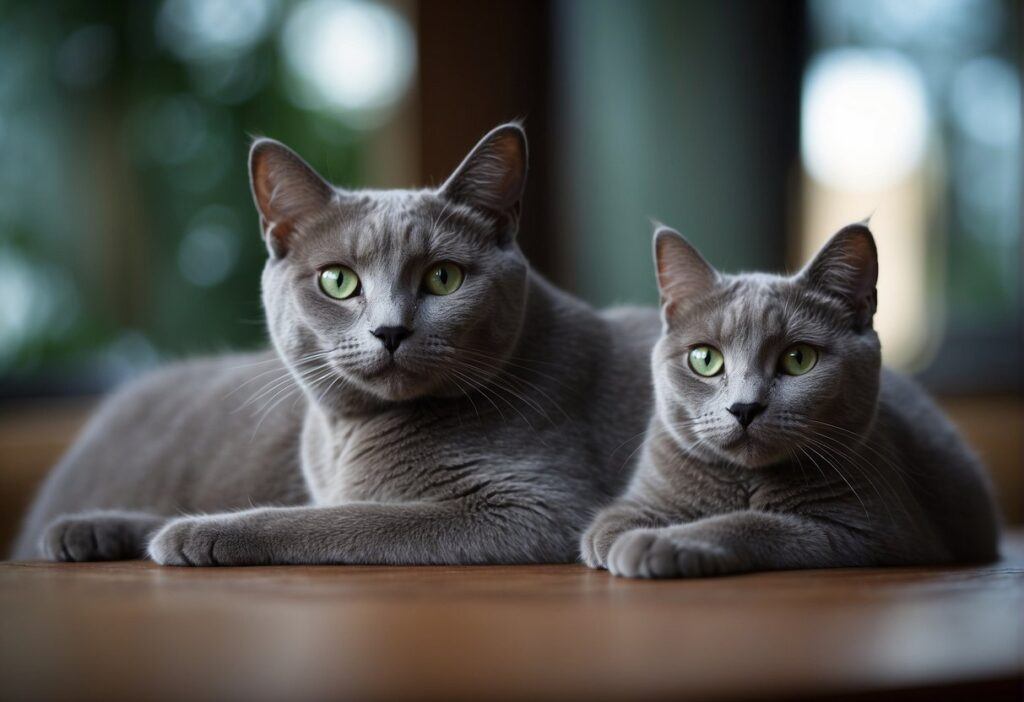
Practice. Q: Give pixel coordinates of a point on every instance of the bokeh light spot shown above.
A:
(351, 56)
(36, 303)
(209, 251)
(197, 30)
(864, 117)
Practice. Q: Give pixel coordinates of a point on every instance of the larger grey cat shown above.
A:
(431, 400)
(779, 442)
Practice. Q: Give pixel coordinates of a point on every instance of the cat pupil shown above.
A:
(442, 275)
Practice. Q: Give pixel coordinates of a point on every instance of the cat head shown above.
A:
(399, 294)
(752, 369)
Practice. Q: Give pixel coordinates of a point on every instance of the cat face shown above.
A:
(393, 295)
(753, 368)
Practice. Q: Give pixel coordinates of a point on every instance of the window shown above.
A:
(911, 114)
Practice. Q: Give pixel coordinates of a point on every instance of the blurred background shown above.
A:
(128, 236)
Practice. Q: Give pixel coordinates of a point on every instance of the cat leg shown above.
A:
(102, 535)
(738, 542)
(449, 532)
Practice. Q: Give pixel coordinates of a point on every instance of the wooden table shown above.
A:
(137, 631)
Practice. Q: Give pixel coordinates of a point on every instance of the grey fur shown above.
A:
(503, 423)
(848, 465)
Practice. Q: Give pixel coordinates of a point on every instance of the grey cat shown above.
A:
(431, 399)
(779, 441)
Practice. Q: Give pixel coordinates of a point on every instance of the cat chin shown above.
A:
(755, 461)
(749, 452)
(395, 386)
(399, 381)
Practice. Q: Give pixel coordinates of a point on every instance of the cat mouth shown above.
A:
(745, 445)
(749, 449)
(392, 369)
(387, 368)
(392, 379)
(743, 440)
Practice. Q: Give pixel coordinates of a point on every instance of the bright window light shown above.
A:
(209, 29)
(865, 119)
(351, 56)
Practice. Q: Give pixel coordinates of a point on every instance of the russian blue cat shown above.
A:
(430, 399)
(778, 439)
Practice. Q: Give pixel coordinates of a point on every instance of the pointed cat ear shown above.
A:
(847, 268)
(287, 191)
(492, 177)
(683, 274)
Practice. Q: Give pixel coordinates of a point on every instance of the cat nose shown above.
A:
(746, 411)
(391, 337)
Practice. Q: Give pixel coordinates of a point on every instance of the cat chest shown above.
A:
(699, 494)
(382, 460)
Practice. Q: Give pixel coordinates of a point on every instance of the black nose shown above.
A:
(746, 411)
(391, 337)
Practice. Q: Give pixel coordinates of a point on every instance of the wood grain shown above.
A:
(138, 631)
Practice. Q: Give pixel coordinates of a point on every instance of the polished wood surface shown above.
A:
(138, 631)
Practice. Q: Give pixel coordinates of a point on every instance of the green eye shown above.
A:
(339, 282)
(706, 360)
(442, 279)
(798, 359)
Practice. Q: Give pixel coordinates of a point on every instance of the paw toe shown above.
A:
(660, 560)
(167, 547)
(589, 551)
(71, 540)
(699, 559)
(627, 554)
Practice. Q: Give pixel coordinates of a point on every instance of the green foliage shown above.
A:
(125, 211)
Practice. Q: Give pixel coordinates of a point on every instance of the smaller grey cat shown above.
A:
(779, 441)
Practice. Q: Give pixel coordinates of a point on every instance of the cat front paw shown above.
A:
(658, 553)
(219, 540)
(91, 537)
(609, 524)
